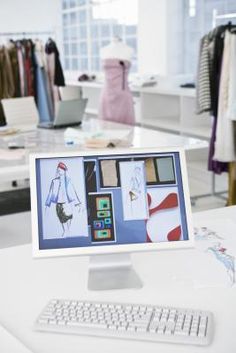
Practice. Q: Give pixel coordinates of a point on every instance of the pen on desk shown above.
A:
(15, 147)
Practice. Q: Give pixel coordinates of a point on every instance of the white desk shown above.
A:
(46, 140)
(27, 285)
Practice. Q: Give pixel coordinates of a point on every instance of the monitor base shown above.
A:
(108, 272)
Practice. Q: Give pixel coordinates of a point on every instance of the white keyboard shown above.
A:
(128, 321)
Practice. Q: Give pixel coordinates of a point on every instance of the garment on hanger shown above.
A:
(12, 51)
(51, 48)
(225, 145)
(7, 88)
(204, 74)
(44, 99)
(208, 80)
(20, 58)
(29, 67)
(116, 101)
(55, 73)
(231, 110)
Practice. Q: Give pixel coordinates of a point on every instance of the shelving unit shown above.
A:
(165, 107)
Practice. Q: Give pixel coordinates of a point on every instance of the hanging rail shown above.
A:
(220, 17)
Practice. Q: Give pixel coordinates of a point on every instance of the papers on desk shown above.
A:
(98, 139)
(216, 254)
(10, 344)
(5, 131)
(12, 155)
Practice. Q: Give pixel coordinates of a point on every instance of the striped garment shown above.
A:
(203, 86)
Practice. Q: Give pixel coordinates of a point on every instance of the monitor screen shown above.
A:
(110, 199)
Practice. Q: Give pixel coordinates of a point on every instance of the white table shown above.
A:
(27, 285)
(46, 140)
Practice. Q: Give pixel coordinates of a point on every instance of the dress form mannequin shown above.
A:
(116, 101)
(116, 50)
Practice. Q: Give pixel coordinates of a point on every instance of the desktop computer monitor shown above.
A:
(108, 204)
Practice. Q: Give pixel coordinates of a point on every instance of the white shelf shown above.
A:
(170, 90)
(165, 106)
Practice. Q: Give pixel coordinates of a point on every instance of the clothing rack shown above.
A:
(216, 17)
(219, 194)
(33, 33)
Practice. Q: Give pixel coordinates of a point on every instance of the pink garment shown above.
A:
(116, 101)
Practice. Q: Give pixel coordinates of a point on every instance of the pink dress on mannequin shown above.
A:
(116, 101)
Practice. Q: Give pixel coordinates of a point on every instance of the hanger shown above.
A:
(231, 27)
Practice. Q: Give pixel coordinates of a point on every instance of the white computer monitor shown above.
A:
(111, 203)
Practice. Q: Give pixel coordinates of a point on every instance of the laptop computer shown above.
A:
(68, 113)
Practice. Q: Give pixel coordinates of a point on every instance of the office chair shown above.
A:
(20, 111)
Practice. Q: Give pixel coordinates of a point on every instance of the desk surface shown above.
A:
(27, 285)
(48, 140)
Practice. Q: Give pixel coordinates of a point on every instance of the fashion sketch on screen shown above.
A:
(63, 194)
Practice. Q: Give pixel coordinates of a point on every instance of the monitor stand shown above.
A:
(112, 272)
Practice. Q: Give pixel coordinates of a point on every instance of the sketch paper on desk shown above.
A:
(133, 189)
(216, 254)
(10, 344)
(12, 155)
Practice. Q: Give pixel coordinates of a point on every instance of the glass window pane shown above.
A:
(81, 2)
(65, 34)
(83, 48)
(74, 49)
(66, 49)
(65, 20)
(95, 48)
(117, 31)
(82, 16)
(131, 30)
(84, 64)
(74, 65)
(105, 31)
(82, 32)
(64, 4)
(94, 31)
(73, 33)
(132, 42)
(95, 64)
(72, 18)
(134, 66)
(67, 64)
(73, 3)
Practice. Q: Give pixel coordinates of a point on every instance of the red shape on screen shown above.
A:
(174, 234)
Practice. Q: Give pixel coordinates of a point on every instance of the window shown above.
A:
(89, 25)
(198, 20)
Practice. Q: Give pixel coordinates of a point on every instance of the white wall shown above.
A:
(30, 15)
(152, 39)
(159, 36)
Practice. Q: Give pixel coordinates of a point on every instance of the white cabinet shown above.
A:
(165, 107)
